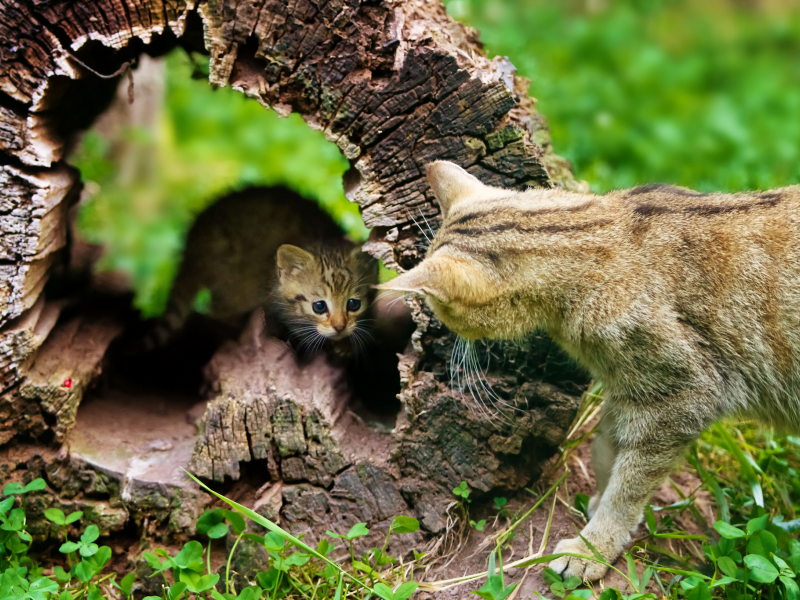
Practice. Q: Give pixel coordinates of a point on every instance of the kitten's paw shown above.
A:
(570, 566)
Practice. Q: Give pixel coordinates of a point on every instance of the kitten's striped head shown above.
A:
(325, 290)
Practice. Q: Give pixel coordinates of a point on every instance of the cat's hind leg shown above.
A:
(649, 437)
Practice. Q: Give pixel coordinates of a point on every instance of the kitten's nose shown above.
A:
(339, 325)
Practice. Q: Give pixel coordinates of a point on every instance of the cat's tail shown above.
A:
(157, 333)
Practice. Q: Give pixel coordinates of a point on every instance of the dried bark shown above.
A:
(394, 85)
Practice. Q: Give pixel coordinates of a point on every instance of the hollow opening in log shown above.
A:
(168, 381)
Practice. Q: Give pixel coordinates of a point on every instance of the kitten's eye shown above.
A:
(353, 304)
(319, 307)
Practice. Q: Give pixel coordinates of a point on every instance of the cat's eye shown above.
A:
(353, 304)
(319, 307)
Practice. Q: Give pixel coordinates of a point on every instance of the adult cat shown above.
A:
(685, 305)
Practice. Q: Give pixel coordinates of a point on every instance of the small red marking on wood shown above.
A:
(68, 382)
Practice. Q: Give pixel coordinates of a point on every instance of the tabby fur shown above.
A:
(685, 305)
(273, 249)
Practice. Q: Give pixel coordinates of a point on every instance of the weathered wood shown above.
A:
(66, 365)
(30, 138)
(394, 85)
(266, 407)
(18, 344)
(293, 424)
(33, 206)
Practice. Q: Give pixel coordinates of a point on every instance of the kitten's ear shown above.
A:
(445, 279)
(451, 184)
(367, 264)
(291, 258)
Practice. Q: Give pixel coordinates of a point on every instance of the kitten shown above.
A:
(243, 250)
(324, 292)
(685, 305)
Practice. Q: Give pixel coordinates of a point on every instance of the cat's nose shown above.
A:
(338, 322)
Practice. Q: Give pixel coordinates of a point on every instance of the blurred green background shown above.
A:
(148, 183)
(701, 94)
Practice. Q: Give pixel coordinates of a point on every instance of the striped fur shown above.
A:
(231, 251)
(685, 305)
(333, 272)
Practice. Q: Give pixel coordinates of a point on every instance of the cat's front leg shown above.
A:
(604, 452)
(649, 439)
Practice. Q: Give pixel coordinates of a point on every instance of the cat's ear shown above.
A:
(291, 259)
(418, 280)
(451, 184)
(448, 280)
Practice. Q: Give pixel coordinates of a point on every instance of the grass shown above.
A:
(700, 94)
(750, 550)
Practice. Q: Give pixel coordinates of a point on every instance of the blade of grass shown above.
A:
(501, 539)
(665, 551)
(711, 481)
(748, 466)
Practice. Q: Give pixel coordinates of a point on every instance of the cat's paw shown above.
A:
(570, 566)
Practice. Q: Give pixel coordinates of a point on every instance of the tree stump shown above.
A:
(395, 85)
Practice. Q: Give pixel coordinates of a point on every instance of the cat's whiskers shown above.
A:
(458, 360)
(309, 341)
(421, 230)
(364, 332)
(430, 229)
(361, 279)
(306, 329)
(317, 344)
(468, 376)
(394, 300)
(464, 364)
(307, 336)
(492, 397)
(454, 358)
(359, 342)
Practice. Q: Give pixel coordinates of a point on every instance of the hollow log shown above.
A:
(394, 85)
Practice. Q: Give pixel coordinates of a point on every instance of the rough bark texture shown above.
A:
(257, 415)
(394, 85)
(68, 362)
